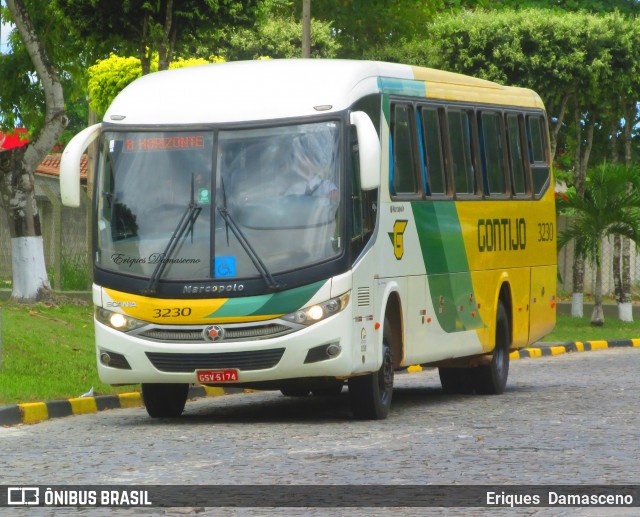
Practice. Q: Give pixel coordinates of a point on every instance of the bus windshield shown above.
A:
(239, 203)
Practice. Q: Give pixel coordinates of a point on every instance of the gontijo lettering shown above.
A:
(502, 234)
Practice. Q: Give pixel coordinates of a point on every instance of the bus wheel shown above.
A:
(456, 380)
(165, 400)
(491, 379)
(370, 395)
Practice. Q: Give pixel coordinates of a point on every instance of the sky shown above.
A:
(4, 33)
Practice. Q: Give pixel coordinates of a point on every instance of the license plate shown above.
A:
(205, 376)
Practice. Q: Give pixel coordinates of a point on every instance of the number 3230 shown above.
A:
(172, 312)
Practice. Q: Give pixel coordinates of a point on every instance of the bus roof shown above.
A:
(279, 89)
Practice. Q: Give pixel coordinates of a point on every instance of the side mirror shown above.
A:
(70, 165)
(369, 150)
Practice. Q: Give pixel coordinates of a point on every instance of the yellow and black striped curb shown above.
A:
(562, 348)
(573, 346)
(32, 412)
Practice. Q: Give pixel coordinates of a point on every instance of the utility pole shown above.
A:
(306, 28)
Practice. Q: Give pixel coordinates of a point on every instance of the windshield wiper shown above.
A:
(185, 224)
(246, 245)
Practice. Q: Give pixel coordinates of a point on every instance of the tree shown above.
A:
(108, 77)
(306, 28)
(17, 166)
(279, 37)
(160, 28)
(609, 205)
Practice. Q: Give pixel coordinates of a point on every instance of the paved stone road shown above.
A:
(570, 419)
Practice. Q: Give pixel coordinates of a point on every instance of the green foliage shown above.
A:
(21, 97)
(280, 38)
(609, 206)
(149, 28)
(75, 273)
(361, 25)
(627, 7)
(108, 77)
(192, 61)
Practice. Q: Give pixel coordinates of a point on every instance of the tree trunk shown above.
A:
(554, 127)
(577, 298)
(164, 48)
(17, 176)
(306, 28)
(581, 161)
(625, 307)
(615, 266)
(597, 316)
(625, 312)
(143, 45)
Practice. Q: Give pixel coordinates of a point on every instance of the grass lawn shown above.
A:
(580, 329)
(48, 353)
(48, 350)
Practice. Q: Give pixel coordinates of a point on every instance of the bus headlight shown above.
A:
(117, 320)
(318, 312)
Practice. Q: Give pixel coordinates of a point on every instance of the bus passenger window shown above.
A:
(518, 179)
(537, 156)
(403, 170)
(460, 147)
(433, 152)
(493, 153)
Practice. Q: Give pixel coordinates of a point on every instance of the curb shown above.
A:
(551, 349)
(33, 412)
(572, 346)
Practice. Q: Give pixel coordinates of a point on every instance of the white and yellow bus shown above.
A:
(299, 225)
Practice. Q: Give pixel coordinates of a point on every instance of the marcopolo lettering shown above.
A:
(502, 234)
(212, 288)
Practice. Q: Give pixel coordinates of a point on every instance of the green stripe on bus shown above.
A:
(402, 87)
(445, 261)
(283, 302)
(440, 237)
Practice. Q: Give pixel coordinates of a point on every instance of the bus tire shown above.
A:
(165, 400)
(456, 380)
(491, 379)
(370, 395)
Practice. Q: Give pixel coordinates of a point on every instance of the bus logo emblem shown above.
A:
(213, 333)
(397, 237)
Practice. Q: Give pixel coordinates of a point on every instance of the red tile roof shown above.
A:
(50, 166)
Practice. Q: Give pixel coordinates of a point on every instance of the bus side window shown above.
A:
(493, 153)
(459, 133)
(434, 159)
(403, 171)
(516, 155)
(538, 156)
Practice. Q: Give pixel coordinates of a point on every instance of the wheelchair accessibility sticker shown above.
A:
(224, 267)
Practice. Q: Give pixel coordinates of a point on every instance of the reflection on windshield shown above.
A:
(279, 185)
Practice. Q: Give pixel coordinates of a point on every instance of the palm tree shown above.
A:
(610, 206)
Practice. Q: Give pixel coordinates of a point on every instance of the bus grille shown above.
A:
(232, 333)
(187, 363)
